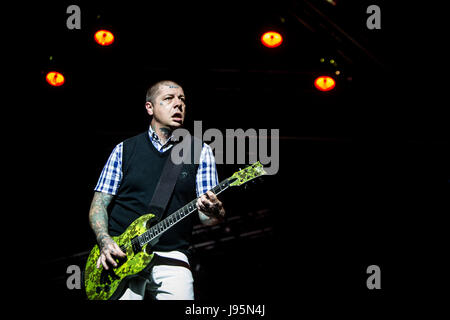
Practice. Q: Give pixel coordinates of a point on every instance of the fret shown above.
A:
(220, 187)
(172, 219)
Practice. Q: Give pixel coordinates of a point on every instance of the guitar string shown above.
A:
(160, 227)
(222, 186)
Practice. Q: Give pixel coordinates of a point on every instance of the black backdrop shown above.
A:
(363, 169)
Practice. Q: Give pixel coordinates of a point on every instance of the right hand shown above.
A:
(108, 249)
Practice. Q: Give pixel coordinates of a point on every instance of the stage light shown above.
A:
(104, 37)
(271, 39)
(55, 79)
(324, 83)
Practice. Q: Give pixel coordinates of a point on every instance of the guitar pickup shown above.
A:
(135, 245)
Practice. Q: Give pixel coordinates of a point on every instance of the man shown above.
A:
(126, 186)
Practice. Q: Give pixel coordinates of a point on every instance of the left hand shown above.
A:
(210, 205)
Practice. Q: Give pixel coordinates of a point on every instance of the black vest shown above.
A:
(142, 165)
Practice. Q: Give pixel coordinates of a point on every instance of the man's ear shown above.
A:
(149, 107)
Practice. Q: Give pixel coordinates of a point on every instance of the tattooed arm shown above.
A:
(98, 219)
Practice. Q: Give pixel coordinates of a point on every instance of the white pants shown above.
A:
(164, 283)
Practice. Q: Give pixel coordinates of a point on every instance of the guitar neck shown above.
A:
(162, 226)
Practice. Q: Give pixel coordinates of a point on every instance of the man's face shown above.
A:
(169, 106)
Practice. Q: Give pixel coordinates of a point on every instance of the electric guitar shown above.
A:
(140, 237)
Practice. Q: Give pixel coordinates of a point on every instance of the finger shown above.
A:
(203, 208)
(213, 202)
(200, 205)
(99, 262)
(211, 195)
(214, 199)
(103, 259)
(206, 203)
(118, 251)
(110, 259)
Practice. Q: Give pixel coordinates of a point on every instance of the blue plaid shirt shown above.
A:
(111, 175)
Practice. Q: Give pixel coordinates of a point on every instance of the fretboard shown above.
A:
(162, 226)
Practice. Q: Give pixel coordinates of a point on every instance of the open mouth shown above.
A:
(177, 117)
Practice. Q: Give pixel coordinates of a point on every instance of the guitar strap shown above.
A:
(165, 186)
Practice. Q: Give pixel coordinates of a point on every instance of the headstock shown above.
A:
(249, 173)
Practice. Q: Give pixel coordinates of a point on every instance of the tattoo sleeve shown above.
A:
(98, 216)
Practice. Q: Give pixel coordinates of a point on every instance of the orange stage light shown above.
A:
(271, 39)
(324, 83)
(104, 37)
(55, 78)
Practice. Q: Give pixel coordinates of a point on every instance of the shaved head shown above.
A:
(152, 92)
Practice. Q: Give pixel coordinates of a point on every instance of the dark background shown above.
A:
(363, 175)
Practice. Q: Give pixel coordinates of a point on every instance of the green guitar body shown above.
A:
(102, 284)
